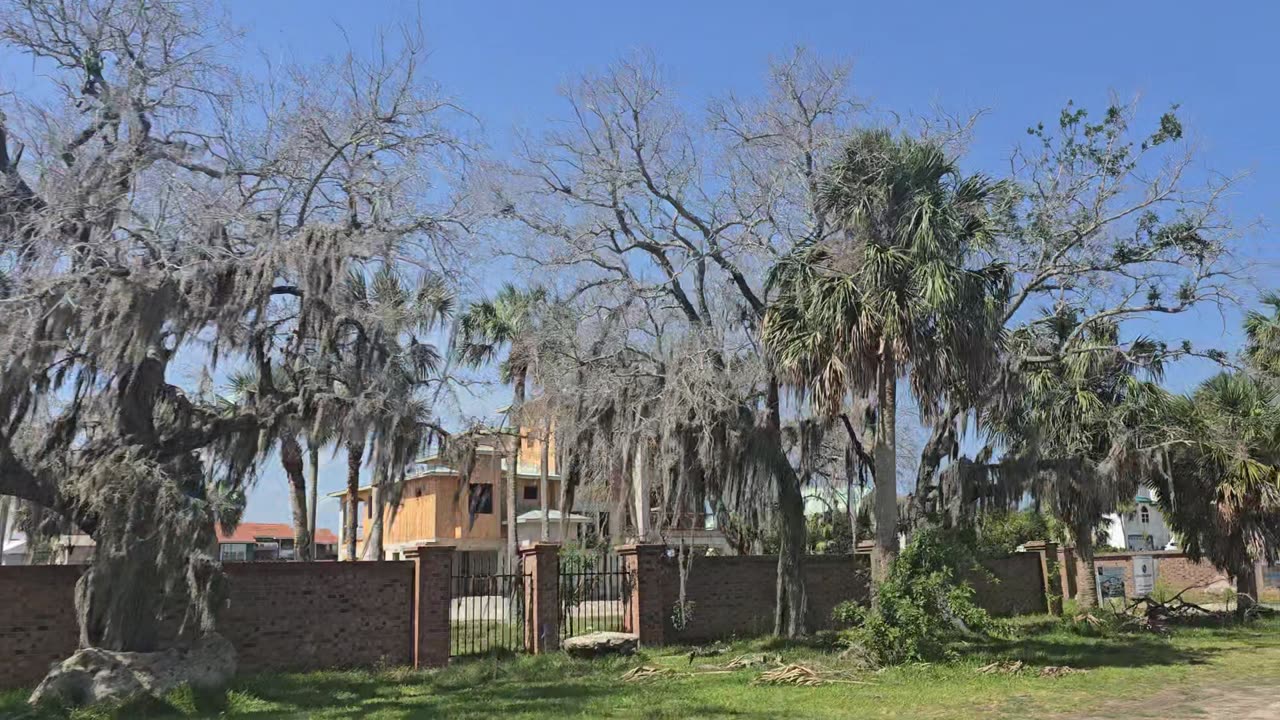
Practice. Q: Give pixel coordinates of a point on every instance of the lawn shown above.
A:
(1202, 672)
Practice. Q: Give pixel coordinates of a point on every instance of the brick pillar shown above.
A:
(1050, 573)
(1067, 571)
(646, 613)
(432, 596)
(541, 567)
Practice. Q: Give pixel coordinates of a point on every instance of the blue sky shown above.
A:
(503, 61)
(1020, 62)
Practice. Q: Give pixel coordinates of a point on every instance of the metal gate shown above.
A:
(486, 612)
(594, 597)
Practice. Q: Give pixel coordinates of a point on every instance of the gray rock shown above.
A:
(93, 675)
(598, 644)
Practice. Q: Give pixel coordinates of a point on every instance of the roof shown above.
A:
(426, 468)
(250, 532)
(480, 450)
(552, 515)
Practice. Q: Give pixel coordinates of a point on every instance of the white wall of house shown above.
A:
(342, 526)
(1143, 528)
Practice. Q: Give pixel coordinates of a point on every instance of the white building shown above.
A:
(1142, 528)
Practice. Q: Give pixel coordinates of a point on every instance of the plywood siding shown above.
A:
(531, 449)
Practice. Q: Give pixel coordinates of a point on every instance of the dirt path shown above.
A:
(1210, 697)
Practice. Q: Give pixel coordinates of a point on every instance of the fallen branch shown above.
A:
(793, 674)
(1015, 667)
(645, 672)
(746, 661)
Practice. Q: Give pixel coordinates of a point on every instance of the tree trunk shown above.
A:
(641, 491)
(1246, 590)
(886, 457)
(291, 459)
(373, 544)
(568, 488)
(313, 452)
(135, 580)
(1086, 571)
(544, 469)
(513, 540)
(852, 503)
(355, 457)
(791, 601)
(619, 512)
(373, 549)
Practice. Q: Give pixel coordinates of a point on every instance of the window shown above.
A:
(530, 492)
(480, 500)
(1144, 514)
(234, 552)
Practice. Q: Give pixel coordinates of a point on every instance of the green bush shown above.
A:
(847, 614)
(1000, 533)
(922, 605)
(576, 559)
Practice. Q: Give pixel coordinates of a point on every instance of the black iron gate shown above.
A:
(486, 613)
(594, 597)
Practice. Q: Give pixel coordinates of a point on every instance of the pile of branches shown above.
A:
(1148, 613)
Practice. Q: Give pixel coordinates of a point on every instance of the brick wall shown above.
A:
(301, 616)
(1011, 586)
(37, 620)
(279, 616)
(734, 596)
(1174, 572)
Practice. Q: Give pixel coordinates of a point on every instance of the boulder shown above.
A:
(94, 675)
(598, 644)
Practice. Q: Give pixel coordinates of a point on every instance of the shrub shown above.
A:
(576, 559)
(1000, 533)
(922, 605)
(847, 614)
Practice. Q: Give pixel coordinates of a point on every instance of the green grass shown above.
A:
(472, 638)
(1171, 672)
(487, 636)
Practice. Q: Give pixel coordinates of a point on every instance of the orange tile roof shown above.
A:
(249, 532)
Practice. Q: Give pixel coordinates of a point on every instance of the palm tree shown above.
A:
(1262, 333)
(897, 294)
(355, 458)
(508, 321)
(382, 365)
(1221, 485)
(318, 436)
(245, 384)
(1071, 427)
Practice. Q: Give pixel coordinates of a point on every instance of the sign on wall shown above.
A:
(1144, 575)
(1110, 583)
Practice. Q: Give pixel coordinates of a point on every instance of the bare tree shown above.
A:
(151, 211)
(662, 227)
